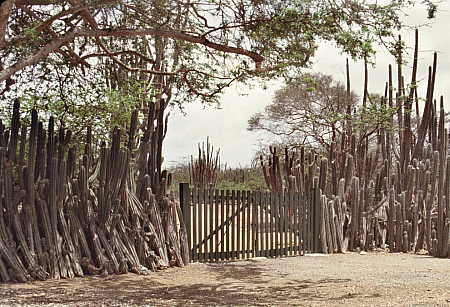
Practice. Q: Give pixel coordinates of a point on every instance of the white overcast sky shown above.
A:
(227, 127)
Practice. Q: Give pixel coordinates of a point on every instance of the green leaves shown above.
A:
(376, 114)
(189, 52)
(31, 33)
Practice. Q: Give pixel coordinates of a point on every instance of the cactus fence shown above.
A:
(392, 183)
(106, 211)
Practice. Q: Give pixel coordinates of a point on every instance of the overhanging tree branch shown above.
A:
(34, 59)
(187, 41)
(96, 33)
(257, 58)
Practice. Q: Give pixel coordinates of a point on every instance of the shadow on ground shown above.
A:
(228, 284)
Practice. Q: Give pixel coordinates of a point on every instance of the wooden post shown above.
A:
(216, 223)
(316, 215)
(238, 225)
(185, 204)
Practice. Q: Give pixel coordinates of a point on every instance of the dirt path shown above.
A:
(376, 279)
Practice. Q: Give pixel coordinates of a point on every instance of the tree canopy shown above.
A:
(314, 109)
(198, 47)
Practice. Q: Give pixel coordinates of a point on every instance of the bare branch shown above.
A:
(47, 49)
(175, 35)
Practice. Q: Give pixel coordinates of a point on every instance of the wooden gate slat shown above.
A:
(262, 215)
(257, 225)
(267, 224)
(227, 225)
(194, 224)
(222, 220)
(299, 223)
(310, 228)
(317, 215)
(211, 224)
(293, 223)
(238, 226)
(305, 223)
(261, 224)
(290, 225)
(290, 222)
(249, 224)
(253, 223)
(216, 224)
(280, 225)
(201, 236)
(233, 225)
(272, 224)
(278, 238)
(244, 224)
(283, 216)
(284, 223)
(297, 241)
(205, 225)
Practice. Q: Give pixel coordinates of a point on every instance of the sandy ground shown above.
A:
(375, 279)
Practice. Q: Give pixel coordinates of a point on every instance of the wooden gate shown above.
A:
(232, 224)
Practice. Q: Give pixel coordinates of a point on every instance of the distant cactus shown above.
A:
(204, 170)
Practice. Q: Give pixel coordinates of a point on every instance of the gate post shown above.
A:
(185, 204)
(317, 212)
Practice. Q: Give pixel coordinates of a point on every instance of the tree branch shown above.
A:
(116, 53)
(42, 53)
(53, 2)
(257, 58)
(97, 33)
(5, 11)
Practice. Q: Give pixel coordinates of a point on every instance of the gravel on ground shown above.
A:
(352, 279)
